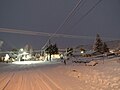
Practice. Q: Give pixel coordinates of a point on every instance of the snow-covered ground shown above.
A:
(57, 76)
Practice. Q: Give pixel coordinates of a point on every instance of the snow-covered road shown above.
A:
(57, 76)
(27, 80)
(34, 77)
(26, 77)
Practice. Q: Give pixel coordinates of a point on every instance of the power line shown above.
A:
(70, 15)
(64, 22)
(23, 32)
(87, 13)
(77, 10)
(73, 11)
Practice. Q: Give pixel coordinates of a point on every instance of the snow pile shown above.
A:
(102, 77)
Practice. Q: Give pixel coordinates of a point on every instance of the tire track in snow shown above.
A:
(8, 81)
(15, 82)
(3, 77)
(48, 79)
(39, 83)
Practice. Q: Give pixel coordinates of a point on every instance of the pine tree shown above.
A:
(49, 50)
(52, 49)
(105, 47)
(98, 46)
(55, 49)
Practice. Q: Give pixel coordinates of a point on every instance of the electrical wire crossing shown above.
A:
(73, 11)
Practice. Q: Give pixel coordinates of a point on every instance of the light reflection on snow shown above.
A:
(28, 62)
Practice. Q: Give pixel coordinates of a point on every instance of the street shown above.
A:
(33, 77)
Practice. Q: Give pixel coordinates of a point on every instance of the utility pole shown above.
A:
(49, 43)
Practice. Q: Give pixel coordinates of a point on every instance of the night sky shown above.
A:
(48, 15)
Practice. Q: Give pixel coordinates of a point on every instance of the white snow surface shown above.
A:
(57, 76)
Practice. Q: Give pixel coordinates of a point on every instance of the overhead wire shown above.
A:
(77, 11)
(64, 22)
(87, 13)
(23, 32)
(59, 28)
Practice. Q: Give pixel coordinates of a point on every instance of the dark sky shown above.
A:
(47, 15)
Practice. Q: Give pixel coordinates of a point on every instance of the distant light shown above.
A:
(55, 56)
(7, 57)
(21, 49)
(82, 51)
(111, 51)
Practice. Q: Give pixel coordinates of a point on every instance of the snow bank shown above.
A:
(100, 77)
